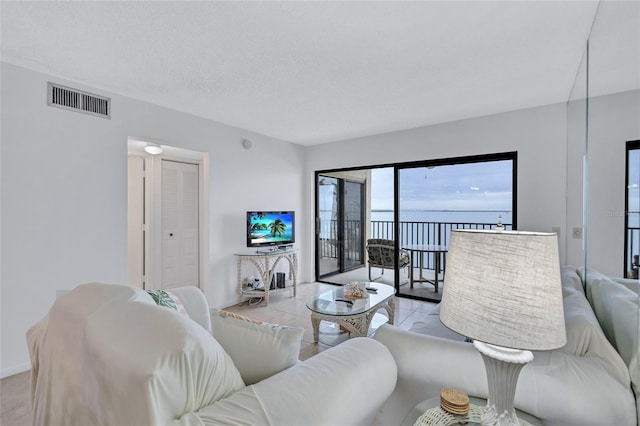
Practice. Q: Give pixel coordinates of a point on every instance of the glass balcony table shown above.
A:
(421, 249)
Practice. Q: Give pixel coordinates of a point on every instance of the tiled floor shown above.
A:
(421, 288)
(14, 393)
(283, 309)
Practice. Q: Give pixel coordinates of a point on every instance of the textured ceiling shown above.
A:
(310, 72)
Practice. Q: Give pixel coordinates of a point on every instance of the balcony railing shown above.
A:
(427, 233)
(352, 240)
(633, 248)
(436, 233)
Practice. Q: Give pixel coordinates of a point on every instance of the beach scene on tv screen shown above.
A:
(271, 228)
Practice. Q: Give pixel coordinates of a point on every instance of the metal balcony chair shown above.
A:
(380, 254)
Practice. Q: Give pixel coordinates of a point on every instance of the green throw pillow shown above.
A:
(162, 298)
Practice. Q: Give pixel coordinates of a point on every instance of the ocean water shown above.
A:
(437, 216)
(415, 234)
(449, 216)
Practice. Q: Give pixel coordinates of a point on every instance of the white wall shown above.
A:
(576, 136)
(64, 196)
(538, 134)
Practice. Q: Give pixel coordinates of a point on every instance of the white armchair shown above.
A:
(108, 355)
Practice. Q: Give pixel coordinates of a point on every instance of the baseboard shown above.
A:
(20, 368)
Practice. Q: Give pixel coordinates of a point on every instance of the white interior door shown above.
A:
(179, 201)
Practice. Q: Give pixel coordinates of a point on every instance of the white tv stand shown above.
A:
(274, 249)
(265, 263)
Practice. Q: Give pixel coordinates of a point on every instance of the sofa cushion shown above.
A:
(631, 284)
(583, 330)
(259, 350)
(615, 303)
(585, 336)
(107, 354)
(580, 321)
(618, 309)
(570, 280)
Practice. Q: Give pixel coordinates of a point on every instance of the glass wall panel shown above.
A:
(613, 120)
(613, 112)
(576, 162)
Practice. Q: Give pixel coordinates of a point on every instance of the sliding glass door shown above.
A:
(339, 225)
(391, 223)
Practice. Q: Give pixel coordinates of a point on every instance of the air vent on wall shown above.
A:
(77, 100)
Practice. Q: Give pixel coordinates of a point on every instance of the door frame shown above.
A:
(135, 219)
(152, 225)
(153, 215)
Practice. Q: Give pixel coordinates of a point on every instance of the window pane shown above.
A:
(435, 199)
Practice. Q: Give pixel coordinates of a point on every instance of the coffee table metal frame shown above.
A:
(358, 322)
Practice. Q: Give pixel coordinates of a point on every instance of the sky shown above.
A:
(471, 186)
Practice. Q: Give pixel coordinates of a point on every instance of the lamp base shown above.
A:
(503, 367)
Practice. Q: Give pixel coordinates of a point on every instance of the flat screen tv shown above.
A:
(270, 228)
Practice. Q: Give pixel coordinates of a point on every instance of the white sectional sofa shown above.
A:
(587, 382)
(615, 302)
(108, 355)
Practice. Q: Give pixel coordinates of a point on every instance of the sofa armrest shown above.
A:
(558, 388)
(195, 303)
(344, 385)
(425, 365)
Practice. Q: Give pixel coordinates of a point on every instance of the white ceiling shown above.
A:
(310, 72)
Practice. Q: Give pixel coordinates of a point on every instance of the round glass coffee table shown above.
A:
(354, 315)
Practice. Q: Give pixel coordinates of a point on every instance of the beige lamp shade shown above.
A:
(503, 288)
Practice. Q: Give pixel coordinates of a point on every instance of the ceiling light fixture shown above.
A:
(153, 149)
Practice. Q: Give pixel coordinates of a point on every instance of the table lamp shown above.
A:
(502, 290)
